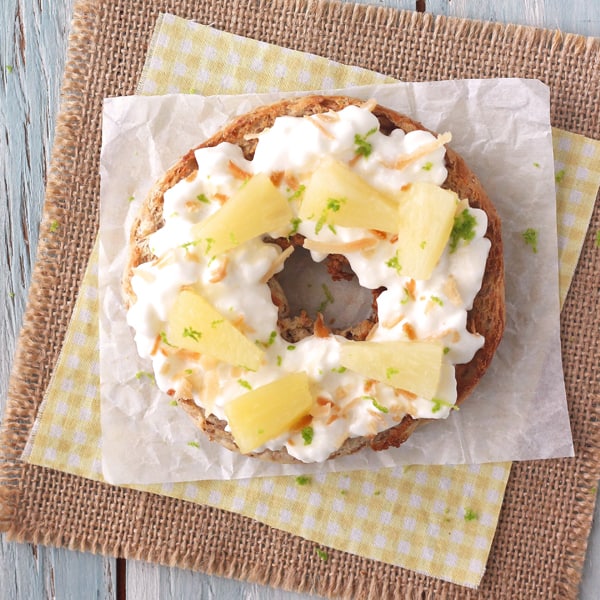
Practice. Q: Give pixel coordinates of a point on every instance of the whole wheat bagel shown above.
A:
(486, 317)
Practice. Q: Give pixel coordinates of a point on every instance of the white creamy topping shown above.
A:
(233, 282)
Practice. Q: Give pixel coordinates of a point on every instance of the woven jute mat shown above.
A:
(540, 544)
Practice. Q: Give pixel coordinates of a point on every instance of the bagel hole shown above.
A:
(329, 287)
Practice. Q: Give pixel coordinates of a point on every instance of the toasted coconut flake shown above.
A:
(392, 322)
(277, 264)
(240, 324)
(340, 392)
(382, 235)
(321, 330)
(451, 290)
(411, 288)
(409, 330)
(192, 175)
(145, 275)
(156, 345)
(340, 247)
(188, 354)
(276, 178)
(405, 160)
(291, 181)
(221, 272)
(237, 171)
(221, 198)
(320, 127)
(330, 117)
(369, 105)
(168, 258)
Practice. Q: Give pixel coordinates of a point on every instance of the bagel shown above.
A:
(484, 317)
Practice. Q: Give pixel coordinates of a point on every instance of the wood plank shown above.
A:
(575, 16)
(32, 46)
(150, 582)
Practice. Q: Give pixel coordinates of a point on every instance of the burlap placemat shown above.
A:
(540, 544)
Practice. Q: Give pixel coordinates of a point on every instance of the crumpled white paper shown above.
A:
(517, 412)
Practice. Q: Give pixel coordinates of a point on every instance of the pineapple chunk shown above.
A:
(256, 208)
(195, 325)
(268, 411)
(336, 195)
(414, 366)
(426, 219)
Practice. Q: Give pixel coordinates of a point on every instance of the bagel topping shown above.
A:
(211, 316)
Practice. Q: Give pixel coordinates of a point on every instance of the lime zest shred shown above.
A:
(173, 403)
(471, 515)
(295, 223)
(530, 237)
(193, 444)
(390, 372)
(437, 300)
(245, 384)
(463, 229)
(427, 166)
(438, 403)
(141, 374)
(54, 226)
(559, 176)
(303, 479)
(131, 199)
(394, 263)
(339, 369)
(307, 435)
(291, 347)
(202, 198)
(192, 333)
(322, 554)
(297, 193)
(333, 205)
(164, 340)
(279, 360)
(379, 407)
(364, 148)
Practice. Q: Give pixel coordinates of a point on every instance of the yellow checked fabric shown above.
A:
(439, 520)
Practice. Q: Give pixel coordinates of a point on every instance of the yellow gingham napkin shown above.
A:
(438, 520)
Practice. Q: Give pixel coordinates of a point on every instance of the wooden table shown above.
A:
(33, 40)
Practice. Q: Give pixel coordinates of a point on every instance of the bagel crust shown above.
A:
(487, 316)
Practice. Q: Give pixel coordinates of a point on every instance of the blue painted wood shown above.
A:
(574, 16)
(33, 38)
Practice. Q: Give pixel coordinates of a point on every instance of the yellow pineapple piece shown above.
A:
(426, 219)
(195, 325)
(336, 195)
(268, 411)
(257, 207)
(409, 365)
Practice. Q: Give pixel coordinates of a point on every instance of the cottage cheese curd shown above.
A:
(234, 283)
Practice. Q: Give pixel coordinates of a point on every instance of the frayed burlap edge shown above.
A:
(107, 49)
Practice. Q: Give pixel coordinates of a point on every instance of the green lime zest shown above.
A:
(307, 435)
(364, 148)
(530, 237)
(463, 229)
(303, 480)
(559, 176)
(192, 333)
(470, 515)
(438, 403)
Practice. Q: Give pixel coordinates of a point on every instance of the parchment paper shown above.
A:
(518, 411)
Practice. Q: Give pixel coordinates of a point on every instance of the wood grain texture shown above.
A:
(33, 40)
(575, 16)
